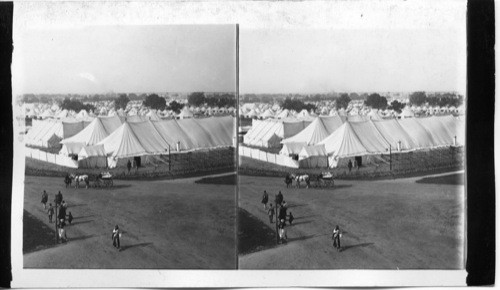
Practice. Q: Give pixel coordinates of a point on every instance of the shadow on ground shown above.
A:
(253, 234)
(451, 179)
(229, 179)
(36, 235)
(123, 248)
(345, 248)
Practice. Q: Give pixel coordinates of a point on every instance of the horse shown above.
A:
(301, 178)
(288, 180)
(80, 178)
(68, 180)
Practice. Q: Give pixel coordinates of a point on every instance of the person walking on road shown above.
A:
(70, 218)
(62, 214)
(337, 234)
(116, 237)
(45, 198)
(58, 198)
(282, 232)
(279, 198)
(50, 211)
(62, 232)
(265, 199)
(270, 212)
(282, 214)
(290, 218)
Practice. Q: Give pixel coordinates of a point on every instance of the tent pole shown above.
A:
(390, 157)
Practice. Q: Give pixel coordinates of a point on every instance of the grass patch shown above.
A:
(451, 179)
(36, 235)
(230, 179)
(253, 234)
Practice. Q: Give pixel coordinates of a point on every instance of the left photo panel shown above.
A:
(129, 136)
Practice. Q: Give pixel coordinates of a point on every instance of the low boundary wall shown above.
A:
(278, 159)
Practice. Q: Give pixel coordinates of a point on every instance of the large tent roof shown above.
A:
(269, 132)
(123, 143)
(312, 134)
(393, 133)
(92, 134)
(344, 142)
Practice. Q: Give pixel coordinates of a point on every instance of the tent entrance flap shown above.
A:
(137, 160)
(358, 160)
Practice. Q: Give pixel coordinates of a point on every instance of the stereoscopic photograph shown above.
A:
(129, 136)
(351, 148)
(151, 139)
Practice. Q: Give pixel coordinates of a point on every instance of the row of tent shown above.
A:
(117, 138)
(269, 133)
(373, 137)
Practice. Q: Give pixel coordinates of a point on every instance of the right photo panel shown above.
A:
(351, 148)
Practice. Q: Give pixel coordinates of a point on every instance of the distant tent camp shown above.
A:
(185, 113)
(407, 113)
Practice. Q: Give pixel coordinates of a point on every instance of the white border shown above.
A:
(250, 15)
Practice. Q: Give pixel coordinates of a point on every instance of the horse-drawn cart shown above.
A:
(325, 179)
(104, 179)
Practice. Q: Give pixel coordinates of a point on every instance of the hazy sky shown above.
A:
(102, 59)
(309, 61)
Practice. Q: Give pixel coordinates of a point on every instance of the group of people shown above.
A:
(62, 206)
(281, 212)
(61, 218)
(350, 165)
(281, 209)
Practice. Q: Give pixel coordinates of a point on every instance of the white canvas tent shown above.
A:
(311, 135)
(292, 148)
(313, 157)
(92, 157)
(269, 133)
(185, 113)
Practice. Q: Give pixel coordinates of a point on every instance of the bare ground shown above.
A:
(167, 224)
(393, 224)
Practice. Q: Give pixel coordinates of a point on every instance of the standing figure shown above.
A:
(50, 211)
(129, 165)
(58, 198)
(116, 237)
(270, 212)
(337, 234)
(282, 214)
(62, 232)
(62, 214)
(45, 198)
(349, 165)
(290, 218)
(265, 199)
(279, 198)
(70, 218)
(282, 232)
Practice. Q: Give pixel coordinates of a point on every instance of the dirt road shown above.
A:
(176, 224)
(387, 225)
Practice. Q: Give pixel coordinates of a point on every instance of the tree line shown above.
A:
(224, 100)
